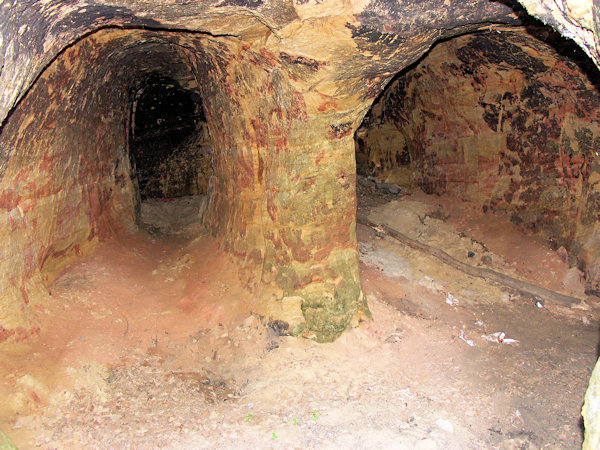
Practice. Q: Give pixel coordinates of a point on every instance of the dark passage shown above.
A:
(169, 140)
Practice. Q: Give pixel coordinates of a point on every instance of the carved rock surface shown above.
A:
(284, 86)
(504, 120)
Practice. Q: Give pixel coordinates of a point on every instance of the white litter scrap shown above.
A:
(499, 337)
(462, 336)
(451, 300)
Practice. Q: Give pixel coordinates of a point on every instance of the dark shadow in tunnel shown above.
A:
(164, 154)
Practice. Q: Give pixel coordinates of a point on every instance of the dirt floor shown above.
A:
(155, 343)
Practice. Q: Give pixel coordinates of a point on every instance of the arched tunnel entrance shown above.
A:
(180, 188)
(476, 199)
(505, 120)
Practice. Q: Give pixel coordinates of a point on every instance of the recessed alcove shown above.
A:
(505, 121)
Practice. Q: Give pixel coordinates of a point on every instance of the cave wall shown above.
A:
(501, 119)
(281, 171)
(66, 184)
(574, 19)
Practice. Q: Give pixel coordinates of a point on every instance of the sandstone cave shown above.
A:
(251, 224)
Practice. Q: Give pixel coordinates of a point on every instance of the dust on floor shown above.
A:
(154, 342)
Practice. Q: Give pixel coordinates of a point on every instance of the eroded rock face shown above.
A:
(502, 119)
(65, 184)
(575, 19)
(284, 85)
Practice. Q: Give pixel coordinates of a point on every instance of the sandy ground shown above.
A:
(154, 343)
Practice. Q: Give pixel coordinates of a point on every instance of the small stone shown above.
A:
(445, 425)
(585, 320)
(563, 254)
(279, 327)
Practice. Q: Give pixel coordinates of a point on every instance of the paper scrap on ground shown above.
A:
(499, 337)
(451, 300)
(464, 338)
